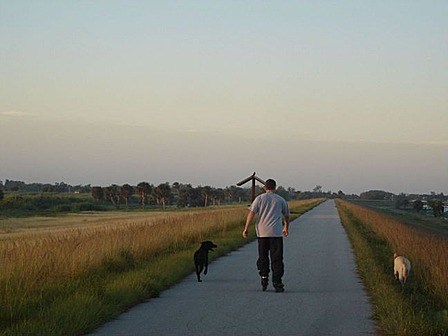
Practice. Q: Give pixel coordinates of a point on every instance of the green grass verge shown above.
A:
(409, 311)
(83, 304)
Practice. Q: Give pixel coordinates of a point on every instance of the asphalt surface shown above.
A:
(323, 295)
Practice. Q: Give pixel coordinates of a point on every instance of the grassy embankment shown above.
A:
(71, 281)
(424, 219)
(421, 307)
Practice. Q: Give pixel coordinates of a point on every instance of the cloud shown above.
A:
(18, 114)
(438, 143)
(412, 143)
(208, 131)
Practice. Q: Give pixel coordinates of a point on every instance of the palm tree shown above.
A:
(144, 189)
(206, 193)
(126, 191)
(418, 205)
(163, 193)
(218, 196)
(112, 193)
(97, 193)
(437, 207)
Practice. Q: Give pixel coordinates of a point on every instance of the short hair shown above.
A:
(270, 184)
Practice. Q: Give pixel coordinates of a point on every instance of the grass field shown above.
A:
(421, 307)
(72, 277)
(23, 204)
(20, 226)
(410, 216)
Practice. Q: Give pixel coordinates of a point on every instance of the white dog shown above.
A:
(402, 267)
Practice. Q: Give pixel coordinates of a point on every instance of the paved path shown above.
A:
(323, 294)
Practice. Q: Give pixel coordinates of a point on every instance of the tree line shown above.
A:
(185, 195)
(418, 202)
(164, 194)
(18, 198)
(61, 187)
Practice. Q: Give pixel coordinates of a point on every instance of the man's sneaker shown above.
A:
(279, 287)
(264, 282)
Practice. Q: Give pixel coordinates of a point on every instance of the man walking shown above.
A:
(270, 208)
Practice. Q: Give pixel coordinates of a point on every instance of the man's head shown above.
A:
(270, 184)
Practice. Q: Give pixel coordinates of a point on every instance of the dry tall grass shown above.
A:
(74, 251)
(38, 257)
(11, 227)
(35, 262)
(427, 251)
(30, 262)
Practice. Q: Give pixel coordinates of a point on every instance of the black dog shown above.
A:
(201, 257)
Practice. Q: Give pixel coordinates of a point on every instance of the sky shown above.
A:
(349, 95)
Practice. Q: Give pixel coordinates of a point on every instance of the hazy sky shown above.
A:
(350, 95)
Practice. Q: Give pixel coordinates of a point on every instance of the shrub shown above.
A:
(61, 208)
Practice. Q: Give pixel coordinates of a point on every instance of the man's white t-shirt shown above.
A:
(270, 209)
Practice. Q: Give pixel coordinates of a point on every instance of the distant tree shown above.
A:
(292, 193)
(437, 207)
(162, 193)
(305, 195)
(376, 195)
(61, 187)
(126, 191)
(195, 197)
(184, 192)
(401, 201)
(144, 190)
(317, 189)
(234, 194)
(48, 188)
(11, 185)
(206, 194)
(283, 193)
(112, 194)
(175, 188)
(2, 195)
(108, 194)
(341, 194)
(218, 195)
(14, 185)
(97, 193)
(417, 205)
(82, 189)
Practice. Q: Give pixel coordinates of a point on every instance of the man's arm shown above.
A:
(249, 218)
(285, 213)
(286, 227)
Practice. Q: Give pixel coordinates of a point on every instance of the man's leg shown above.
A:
(277, 261)
(263, 261)
(263, 256)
